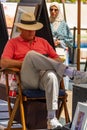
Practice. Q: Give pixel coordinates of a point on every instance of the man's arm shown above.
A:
(7, 63)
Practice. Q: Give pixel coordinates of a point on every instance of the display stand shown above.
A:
(3, 29)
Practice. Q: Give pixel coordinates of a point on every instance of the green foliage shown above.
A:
(56, 1)
(84, 1)
(13, 0)
(71, 1)
(60, 1)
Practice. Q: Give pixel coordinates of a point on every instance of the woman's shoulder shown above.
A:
(64, 25)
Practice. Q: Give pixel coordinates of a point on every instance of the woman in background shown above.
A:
(61, 32)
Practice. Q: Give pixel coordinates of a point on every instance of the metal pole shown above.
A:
(78, 33)
(63, 2)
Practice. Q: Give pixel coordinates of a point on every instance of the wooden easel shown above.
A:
(85, 69)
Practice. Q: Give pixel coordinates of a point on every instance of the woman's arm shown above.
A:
(64, 35)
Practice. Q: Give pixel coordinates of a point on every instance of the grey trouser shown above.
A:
(41, 72)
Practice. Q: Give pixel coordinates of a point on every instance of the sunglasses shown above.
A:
(53, 9)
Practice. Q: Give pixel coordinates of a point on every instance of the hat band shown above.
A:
(28, 22)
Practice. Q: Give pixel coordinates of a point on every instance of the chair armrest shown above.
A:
(10, 70)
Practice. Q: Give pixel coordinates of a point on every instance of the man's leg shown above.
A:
(30, 75)
(50, 83)
(34, 63)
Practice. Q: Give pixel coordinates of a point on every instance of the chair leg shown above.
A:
(67, 118)
(12, 116)
(13, 113)
(63, 105)
(9, 106)
(7, 92)
(22, 115)
(21, 103)
(60, 109)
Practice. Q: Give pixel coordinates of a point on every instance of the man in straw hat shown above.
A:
(40, 66)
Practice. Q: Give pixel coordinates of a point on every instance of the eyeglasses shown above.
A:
(53, 9)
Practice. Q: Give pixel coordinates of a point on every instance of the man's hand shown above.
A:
(59, 59)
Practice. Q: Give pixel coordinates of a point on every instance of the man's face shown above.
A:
(28, 35)
(53, 11)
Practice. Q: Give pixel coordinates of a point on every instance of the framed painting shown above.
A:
(21, 7)
(80, 117)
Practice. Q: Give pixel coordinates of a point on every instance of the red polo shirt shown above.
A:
(16, 48)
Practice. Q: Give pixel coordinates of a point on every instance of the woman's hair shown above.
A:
(55, 4)
(60, 15)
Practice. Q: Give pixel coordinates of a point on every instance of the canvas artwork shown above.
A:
(79, 122)
(9, 10)
(80, 117)
(20, 9)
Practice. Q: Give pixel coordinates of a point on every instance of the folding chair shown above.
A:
(40, 95)
(29, 95)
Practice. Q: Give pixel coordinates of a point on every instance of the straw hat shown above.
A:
(28, 22)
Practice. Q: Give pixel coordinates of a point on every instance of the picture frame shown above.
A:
(23, 7)
(80, 117)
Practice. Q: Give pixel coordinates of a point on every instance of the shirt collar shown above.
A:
(21, 39)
